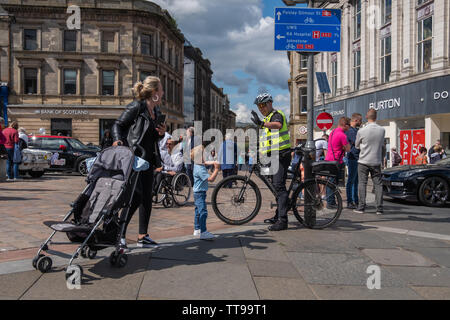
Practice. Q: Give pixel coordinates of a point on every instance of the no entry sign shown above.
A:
(324, 121)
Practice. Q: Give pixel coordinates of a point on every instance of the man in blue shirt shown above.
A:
(352, 162)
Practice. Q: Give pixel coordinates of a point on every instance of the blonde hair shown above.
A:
(146, 89)
(197, 154)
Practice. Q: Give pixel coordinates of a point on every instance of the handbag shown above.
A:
(17, 158)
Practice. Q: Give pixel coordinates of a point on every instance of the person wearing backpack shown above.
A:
(396, 158)
(352, 162)
(337, 147)
(321, 147)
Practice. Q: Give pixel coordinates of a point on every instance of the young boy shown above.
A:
(201, 179)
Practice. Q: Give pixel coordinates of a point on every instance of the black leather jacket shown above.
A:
(132, 125)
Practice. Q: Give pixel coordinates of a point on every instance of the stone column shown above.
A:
(408, 40)
(396, 38)
(346, 49)
(440, 35)
(373, 52)
(365, 44)
(432, 132)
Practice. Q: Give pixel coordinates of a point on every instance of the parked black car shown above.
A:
(69, 154)
(429, 183)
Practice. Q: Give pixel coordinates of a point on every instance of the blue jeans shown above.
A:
(331, 199)
(201, 212)
(11, 165)
(352, 181)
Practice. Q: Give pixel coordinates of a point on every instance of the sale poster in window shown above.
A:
(405, 146)
(417, 143)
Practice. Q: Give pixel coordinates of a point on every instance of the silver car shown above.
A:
(34, 162)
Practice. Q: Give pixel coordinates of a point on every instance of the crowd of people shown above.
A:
(433, 155)
(12, 142)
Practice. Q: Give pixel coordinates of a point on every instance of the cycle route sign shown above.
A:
(307, 29)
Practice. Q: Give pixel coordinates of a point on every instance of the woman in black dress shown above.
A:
(137, 125)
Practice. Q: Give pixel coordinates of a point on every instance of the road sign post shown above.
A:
(310, 31)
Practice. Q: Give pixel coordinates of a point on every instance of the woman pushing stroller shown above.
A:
(138, 125)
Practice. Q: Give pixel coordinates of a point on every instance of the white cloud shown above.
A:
(234, 36)
(282, 98)
(243, 113)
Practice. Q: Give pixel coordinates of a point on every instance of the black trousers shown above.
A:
(143, 200)
(279, 183)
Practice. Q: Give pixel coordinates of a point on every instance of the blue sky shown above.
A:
(237, 37)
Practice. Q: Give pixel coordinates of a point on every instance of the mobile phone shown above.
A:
(160, 119)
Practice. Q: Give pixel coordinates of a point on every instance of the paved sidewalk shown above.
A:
(249, 262)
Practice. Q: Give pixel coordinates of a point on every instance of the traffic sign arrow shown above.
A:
(279, 15)
(280, 37)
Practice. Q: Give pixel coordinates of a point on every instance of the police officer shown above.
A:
(275, 137)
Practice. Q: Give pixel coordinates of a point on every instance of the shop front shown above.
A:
(413, 115)
(86, 123)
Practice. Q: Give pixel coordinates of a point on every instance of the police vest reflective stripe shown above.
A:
(271, 140)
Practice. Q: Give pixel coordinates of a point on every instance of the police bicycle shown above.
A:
(237, 199)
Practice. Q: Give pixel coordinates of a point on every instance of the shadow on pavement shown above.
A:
(189, 252)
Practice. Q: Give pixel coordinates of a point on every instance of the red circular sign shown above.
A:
(324, 121)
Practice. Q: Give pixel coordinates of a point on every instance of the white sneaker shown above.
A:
(197, 232)
(207, 236)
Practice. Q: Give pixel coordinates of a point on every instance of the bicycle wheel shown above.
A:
(181, 186)
(326, 213)
(234, 204)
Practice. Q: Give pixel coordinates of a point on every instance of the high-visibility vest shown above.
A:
(271, 140)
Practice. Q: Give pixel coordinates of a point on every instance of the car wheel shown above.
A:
(36, 174)
(82, 167)
(434, 192)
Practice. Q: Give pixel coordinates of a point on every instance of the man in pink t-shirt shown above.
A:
(337, 147)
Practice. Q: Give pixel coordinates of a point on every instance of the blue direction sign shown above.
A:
(307, 29)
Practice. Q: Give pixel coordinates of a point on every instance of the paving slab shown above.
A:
(327, 292)
(398, 257)
(263, 247)
(267, 268)
(174, 279)
(440, 255)
(339, 269)
(226, 248)
(275, 288)
(412, 242)
(433, 293)
(423, 276)
(100, 281)
(314, 241)
(13, 286)
(367, 239)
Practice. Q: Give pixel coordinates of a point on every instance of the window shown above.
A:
(356, 69)
(333, 74)
(70, 40)
(108, 43)
(303, 98)
(303, 62)
(70, 81)
(108, 79)
(386, 11)
(164, 85)
(419, 2)
(144, 74)
(424, 44)
(30, 80)
(146, 44)
(177, 62)
(356, 19)
(385, 59)
(161, 52)
(169, 94)
(30, 39)
(170, 56)
(62, 127)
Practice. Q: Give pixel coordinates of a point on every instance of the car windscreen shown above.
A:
(77, 144)
(53, 143)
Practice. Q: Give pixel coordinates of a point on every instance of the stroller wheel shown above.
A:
(122, 260)
(44, 264)
(83, 252)
(91, 253)
(74, 273)
(35, 260)
(113, 259)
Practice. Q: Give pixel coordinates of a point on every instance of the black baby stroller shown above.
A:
(95, 222)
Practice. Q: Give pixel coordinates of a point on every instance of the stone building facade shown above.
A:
(394, 58)
(77, 81)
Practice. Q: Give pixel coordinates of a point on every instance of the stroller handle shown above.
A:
(136, 146)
